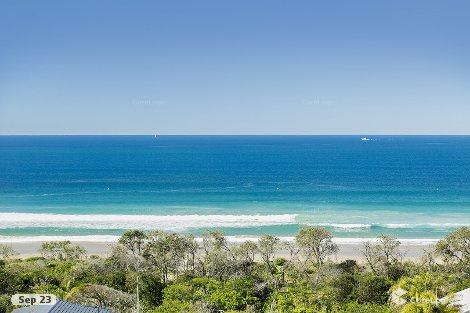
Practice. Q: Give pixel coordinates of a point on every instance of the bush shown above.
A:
(5, 305)
(361, 308)
(175, 306)
(372, 288)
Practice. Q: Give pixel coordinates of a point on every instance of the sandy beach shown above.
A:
(346, 250)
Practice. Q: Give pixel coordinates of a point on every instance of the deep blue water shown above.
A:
(408, 186)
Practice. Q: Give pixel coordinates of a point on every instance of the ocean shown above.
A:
(411, 187)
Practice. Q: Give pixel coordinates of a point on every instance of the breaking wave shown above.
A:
(145, 222)
(195, 221)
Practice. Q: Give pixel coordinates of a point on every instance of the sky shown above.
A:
(235, 67)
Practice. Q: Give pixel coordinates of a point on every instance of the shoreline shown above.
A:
(230, 239)
(349, 248)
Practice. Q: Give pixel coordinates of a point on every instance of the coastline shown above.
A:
(349, 248)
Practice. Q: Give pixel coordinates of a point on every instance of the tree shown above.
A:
(455, 248)
(293, 249)
(61, 251)
(316, 244)
(390, 250)
(246, 252)
(383, 256)
(7, 252)
(133, 240)
(122, 260)
(244, 255)
(428, 261)
(267, 246)
(214, 240)
(217, 259)
(168, 252)
(373, 255)
(102, 296)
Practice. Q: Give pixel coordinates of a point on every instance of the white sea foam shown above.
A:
(344, 226)
(182, 222)
(145, 222)
(433, 225)
(28, 239)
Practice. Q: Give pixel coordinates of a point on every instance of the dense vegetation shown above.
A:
(177, 273)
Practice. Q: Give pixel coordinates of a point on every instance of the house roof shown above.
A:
(462, 298)
(396, 296)
(62, 307)
(34, 309)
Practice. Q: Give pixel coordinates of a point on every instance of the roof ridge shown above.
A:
(63, 304)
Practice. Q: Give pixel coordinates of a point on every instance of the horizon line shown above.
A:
(355, 134)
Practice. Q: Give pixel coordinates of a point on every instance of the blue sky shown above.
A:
(234, 67)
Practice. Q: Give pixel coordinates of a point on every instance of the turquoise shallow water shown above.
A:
(408, 186)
